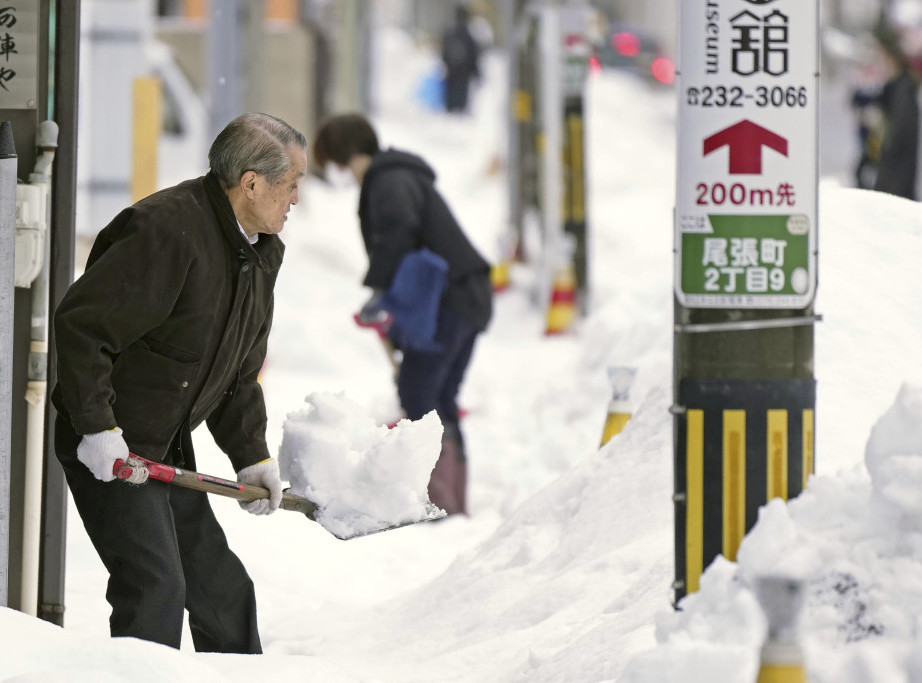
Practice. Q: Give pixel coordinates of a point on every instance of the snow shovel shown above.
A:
(245, 492)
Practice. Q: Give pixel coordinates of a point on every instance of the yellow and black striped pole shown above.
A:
(740, 443)
(574, 199)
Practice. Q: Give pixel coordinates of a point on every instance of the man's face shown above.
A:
(271, 203)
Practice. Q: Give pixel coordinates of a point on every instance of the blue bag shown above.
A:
(430, 92)
(414, 298)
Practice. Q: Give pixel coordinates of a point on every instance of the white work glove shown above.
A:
(100, 451)
(265, 474)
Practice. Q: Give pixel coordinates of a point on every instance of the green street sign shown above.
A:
(747, 261)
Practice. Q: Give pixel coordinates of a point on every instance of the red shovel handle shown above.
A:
(155, 470)
(168, 473)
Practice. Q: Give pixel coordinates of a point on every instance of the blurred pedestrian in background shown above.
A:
(869, 118)
(461, 57)
(899, 106)
(411, 236)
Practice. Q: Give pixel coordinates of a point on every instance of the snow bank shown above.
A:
(855, 540)
(363, 477)
(550, 593)
(894, 457)
(40, 652)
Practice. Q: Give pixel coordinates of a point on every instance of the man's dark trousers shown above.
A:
(165, 552)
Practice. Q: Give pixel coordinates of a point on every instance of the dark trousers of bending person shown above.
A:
(431, 381)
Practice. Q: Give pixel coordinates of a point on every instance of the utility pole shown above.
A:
(523, 176)
(253, 90)
(745, 269)
(66, 72)
(519, 119)
(225, 64)
(511, 11)
(551, 114)
(563, 69)
(352, 63)
(576, 51)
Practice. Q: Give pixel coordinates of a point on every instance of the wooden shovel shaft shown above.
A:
(209, 484)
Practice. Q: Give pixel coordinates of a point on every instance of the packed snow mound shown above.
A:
(41, 652)
(363, 476)
(894, 456)
(855, 543)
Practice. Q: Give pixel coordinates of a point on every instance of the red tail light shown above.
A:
(663, 70)
(626, 44)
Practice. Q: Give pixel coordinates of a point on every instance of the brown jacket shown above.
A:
(168, 327)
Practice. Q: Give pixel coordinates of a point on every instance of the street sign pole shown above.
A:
(551, 113)
(745, 269)
(576, 50)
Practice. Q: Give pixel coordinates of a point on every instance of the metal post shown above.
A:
(576, 71)
(511, 11)
(528, 114)
(745, 270)
(366, 33)
(224, 64)
(254, 62)
(352, 56)
(61, 275)
(524, 130)
(552, 129)
(8, 165)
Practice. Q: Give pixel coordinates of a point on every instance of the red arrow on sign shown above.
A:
(745, 141)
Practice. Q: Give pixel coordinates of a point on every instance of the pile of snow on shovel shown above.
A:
(363, 476)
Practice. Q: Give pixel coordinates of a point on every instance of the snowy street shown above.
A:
(563, 570)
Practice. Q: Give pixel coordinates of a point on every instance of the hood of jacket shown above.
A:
(390, 159)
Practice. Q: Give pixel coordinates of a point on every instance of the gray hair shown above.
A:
(253, 142)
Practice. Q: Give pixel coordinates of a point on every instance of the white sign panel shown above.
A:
(747, 153)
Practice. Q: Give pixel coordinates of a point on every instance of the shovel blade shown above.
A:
(432, 513)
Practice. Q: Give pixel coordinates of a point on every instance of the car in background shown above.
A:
(628, 48)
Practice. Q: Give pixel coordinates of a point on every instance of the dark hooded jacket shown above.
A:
(168, 328)
(401, 211)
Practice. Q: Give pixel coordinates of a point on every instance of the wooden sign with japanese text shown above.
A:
(19, 44)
